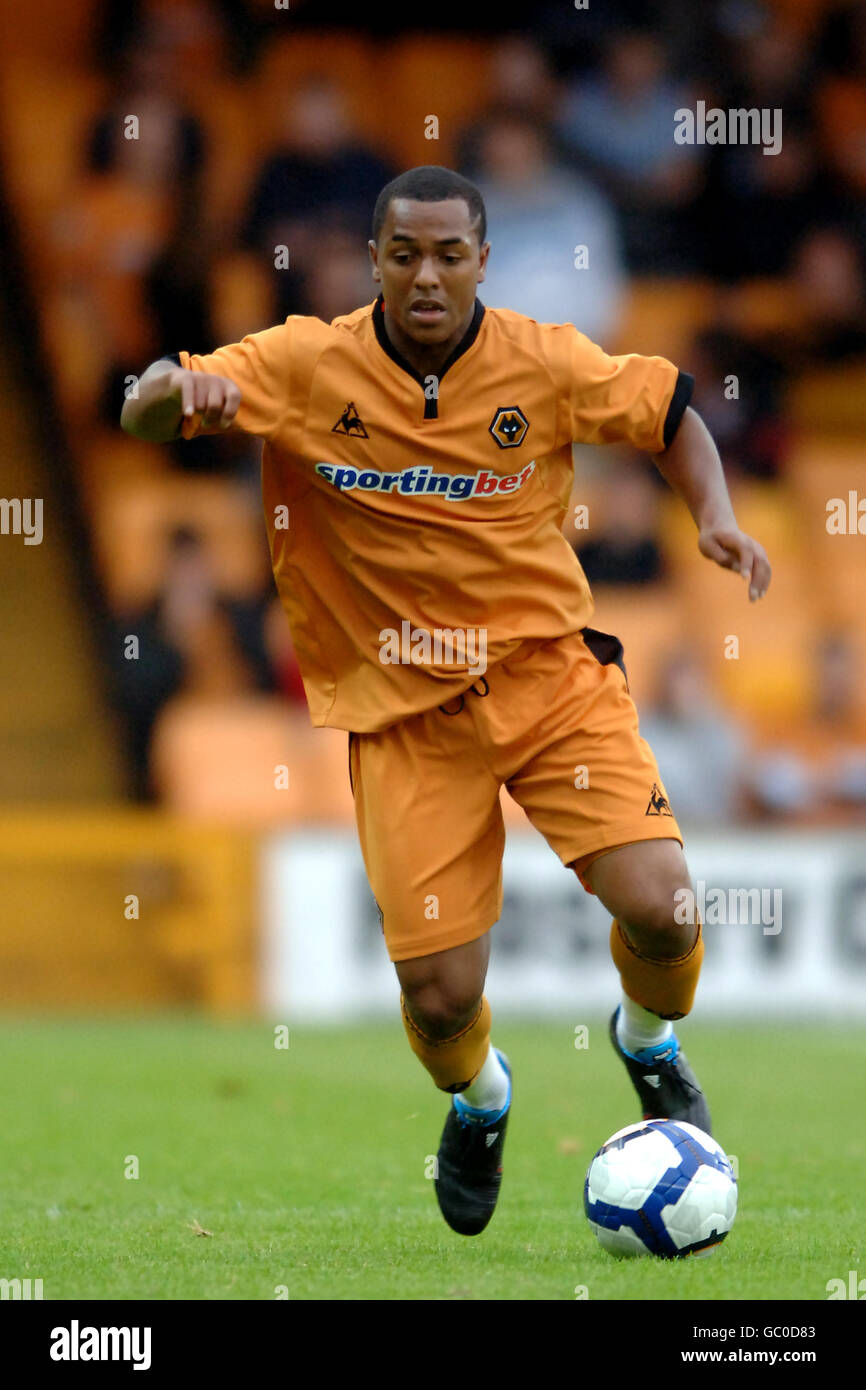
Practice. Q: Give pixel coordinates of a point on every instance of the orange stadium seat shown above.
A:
(759, 655)
(762, 306)
(220, 760)
(235, 143)
(134, 521)
(241, 297)
(830, 399)
(111, 459)
(354, 62)
(823, 470)
(821, 466)
(76, 351)
(660, 317)
(54, 34)
(804, 15)
(456, 71)
(45, 116)
(770, 512)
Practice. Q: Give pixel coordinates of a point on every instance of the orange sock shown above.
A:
(454, 1062)
(665, 987)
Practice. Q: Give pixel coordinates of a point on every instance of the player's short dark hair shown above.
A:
(431, 183)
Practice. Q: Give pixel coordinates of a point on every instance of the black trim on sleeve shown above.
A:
(677, 408)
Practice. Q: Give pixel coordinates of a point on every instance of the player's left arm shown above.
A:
(692, 467)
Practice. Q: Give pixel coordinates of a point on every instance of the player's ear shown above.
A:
(374, 257)
(482, 260)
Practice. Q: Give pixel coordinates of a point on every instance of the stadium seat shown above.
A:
(220, 761)
(44, 117)
(235, 144)
(134, 521)
(55, 36)
(241, 297)
(357, 64)
(830, 398)
(821, 466)
(660, 317)
(804, 15)
(455, 69)
(770, 512)
(760, 656)
(762, 306)
(110, 459)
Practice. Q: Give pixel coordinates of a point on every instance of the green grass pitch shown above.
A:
(307, 1164)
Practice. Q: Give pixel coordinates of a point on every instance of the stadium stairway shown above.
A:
(58, 739)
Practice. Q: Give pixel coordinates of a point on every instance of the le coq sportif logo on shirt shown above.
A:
(423, 481)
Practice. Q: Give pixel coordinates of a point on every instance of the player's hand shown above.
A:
(216, 397)
(734, 550)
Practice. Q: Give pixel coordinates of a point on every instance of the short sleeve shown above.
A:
(260, 366)
(628, 399)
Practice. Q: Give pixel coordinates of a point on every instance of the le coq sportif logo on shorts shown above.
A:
(421, 480)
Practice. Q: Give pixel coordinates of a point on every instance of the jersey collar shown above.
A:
(387, 346)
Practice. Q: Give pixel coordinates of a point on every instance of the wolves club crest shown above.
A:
(509, 426)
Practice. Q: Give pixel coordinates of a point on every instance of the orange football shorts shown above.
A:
(555, 724)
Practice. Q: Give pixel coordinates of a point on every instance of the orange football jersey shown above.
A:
(399, 505)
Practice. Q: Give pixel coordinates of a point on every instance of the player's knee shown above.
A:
(442, 1009)
(654, 924)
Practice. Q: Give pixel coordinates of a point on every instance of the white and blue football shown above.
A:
(661, 1187)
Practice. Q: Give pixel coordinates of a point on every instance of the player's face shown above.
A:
(429, 264)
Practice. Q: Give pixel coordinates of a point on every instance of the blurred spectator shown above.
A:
(169, 146)
(701, 751)
(520, 78)
(190, 638)
(829, 280)
(841, 98)
(626, 548)
(538, 213)
(319, 176)
(817, 765)
(203, 35)
(338, 277)
(140, 188)
(745, 417)
(577, 38)
(757, 207)
(618, 123)
(771, 65)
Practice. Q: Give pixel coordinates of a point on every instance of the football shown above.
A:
(661, 1187)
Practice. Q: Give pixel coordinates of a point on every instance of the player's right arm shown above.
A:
(167, 394)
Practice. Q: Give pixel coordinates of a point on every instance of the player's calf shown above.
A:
(659, 960)
(448, 1027)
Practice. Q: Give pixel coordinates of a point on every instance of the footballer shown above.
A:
(423, 447)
